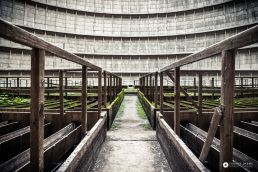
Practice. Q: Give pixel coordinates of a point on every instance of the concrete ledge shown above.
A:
(85, 154)
(113, 108)
(179, 156)
(148, 108)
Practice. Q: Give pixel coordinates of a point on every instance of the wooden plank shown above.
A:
(72, 162)
(227, 100)
(61, 99)
(183, 150)
(211, 133)
(100, 92)
(237, 155)
(24, 159)
(9, 127)
(84, 101)
(37, 110)
(161, 93)
(156, 89)
(18, 35)
(189, 98)
(177, 101)
(249, 126)
(239, 40)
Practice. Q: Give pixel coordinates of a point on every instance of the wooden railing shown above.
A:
(37, 73)
(227, 49)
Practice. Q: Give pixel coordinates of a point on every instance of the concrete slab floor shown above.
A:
(131, 144)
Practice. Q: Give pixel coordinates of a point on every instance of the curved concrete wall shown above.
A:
(130, 36)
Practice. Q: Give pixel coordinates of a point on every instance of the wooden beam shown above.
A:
(177, 101)
(226, 100)
(99, 93)
(61, 99)
(18, 35)
(189, 98)
(84, 101)
(105, 88)
(156, 89)
(211, 133)
(239, 40)
(37, 110)
(161, 93)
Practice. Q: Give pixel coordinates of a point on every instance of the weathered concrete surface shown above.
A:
(131, 144)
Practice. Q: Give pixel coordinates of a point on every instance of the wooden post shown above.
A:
(66, 86)
(108, 89)
(211, 133)
(6, 81)
(47, 82)
(37, 110)
(161, 93)
(227, 100)
(150, 88)
(194, 88)
(18, 82)
(105, 88)
(199, 94)
(177, 101)
(212, 87)
(61, 99)
(99, 93)
(156, 90)
(84, 101)
(147, 87)
(242, 86)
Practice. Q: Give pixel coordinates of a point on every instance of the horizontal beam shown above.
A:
(18, 35)
(239, 40)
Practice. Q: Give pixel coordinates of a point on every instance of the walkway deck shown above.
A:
(131, 144)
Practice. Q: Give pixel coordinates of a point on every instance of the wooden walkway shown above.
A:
(131, 144)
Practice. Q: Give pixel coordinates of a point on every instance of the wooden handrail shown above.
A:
(239, 40)
(13, 33)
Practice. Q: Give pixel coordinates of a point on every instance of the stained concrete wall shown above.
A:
(130, 37)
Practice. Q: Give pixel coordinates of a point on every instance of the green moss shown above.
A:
(140, 110)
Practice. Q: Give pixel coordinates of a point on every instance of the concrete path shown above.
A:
(131, 144)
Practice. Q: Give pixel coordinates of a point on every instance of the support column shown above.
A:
(61, 99)
(227, 100)
(156, 90)
(199, 94)
(194, 85)
(99, 93)
(6, 82)
(212, 87)
(161, 93)
(18, 82)
(84, 101)
(66, 86)
(105, 88)
(37, 110)
(177, 101)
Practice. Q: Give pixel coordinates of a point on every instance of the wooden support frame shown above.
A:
(99, 93)
(6, 82)
(177, 101)
(105, 89)
(84, 101)
(161, 93)
(199, 94)
(183, 91)
(212, 87)
(156, 89)
(211, 133)
(227, 100)
(37, 110)
(61, 99)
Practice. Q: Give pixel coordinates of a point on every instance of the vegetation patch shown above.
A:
(140, 110)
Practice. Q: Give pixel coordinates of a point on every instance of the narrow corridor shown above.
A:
(131, 144)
